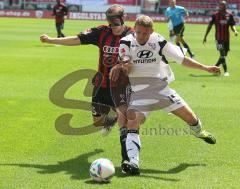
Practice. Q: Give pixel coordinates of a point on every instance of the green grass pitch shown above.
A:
(34, 155)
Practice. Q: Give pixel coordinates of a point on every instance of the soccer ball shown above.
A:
(102, 170)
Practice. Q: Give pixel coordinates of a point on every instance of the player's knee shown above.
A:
(133, 124)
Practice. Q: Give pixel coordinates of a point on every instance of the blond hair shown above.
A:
(144, 21)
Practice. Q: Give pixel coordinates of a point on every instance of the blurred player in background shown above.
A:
(171, 32)
(178, 14)
(222, 19)
(142, 56)
(107, 38)
(59, 11)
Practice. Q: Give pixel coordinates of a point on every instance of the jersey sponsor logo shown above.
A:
(152, 60)
(109, 49)
(144, 54)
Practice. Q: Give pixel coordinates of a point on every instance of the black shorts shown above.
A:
(104, 99)
(179, 29)
(222, 46)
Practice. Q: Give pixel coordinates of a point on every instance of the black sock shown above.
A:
(218, 62)
(224, 64)
(123, 137)
(188, 49)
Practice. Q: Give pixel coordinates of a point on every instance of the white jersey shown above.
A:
(149, 60)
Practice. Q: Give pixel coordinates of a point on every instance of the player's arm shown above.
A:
(65, 11)
(67, 41)
(209, 29)
(125, 64)
(232, 23)
(175, 53)
(186, 14)
(54, 11)
(191, 63)
(167, 15)
(207, 32)
(233, 28)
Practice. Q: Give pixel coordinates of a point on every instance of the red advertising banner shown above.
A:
(123, 2)
(96, 16)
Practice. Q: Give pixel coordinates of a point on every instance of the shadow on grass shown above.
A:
(78, 168)
(147, 173)
(45, 45)
(207, 75)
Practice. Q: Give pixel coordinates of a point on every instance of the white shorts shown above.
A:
(165, 99)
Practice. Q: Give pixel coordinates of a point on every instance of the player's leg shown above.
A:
(62, 26)
(58, 28)
(224, 54)
(101, 108)
(171, 31)
(176, 105)
(133, 144)
(187, 115)
(120, 96)
(122, 122)
(171, 35)
(223, 50)
(185, 45)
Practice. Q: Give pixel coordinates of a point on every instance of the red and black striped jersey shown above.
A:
(222, 22)
(108, 45)
(59, 11)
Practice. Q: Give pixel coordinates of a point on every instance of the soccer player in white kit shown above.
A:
(143, 56)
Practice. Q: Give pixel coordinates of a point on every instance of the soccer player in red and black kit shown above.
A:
(222, 20)
(59, 11)
(107, 38)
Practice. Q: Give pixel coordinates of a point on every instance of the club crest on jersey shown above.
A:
(152, 45)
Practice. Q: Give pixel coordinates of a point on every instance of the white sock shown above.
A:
(133, 146)
(196, 128)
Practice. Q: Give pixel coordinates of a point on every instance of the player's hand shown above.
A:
(44, 38)
(236, 33)
(213, 69)
(115, 71)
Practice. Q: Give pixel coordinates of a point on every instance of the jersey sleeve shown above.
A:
(232, 21)
(124, 49)
(183, 11)
(172, 52)
(90, 36)
(167, 13)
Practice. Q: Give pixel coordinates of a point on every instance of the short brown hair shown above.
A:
(113, 7)
(145, 21)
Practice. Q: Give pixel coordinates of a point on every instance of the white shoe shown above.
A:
(226, 74)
